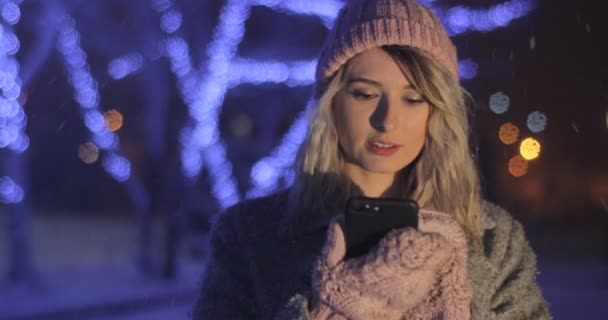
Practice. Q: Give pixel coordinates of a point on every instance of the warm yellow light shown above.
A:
(518, 166)
(113, 120)
(88, 153)
(529, 149)
(508, 133)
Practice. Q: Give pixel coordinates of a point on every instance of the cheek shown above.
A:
(418, 129)
(346, 124)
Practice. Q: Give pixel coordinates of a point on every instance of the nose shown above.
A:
(384, 118)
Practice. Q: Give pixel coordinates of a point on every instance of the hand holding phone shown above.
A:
(367, 220)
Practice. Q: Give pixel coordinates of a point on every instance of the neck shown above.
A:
(372, 184)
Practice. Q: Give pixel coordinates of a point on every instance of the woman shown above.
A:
(390, 121)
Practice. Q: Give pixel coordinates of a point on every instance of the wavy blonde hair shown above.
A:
(443, 177)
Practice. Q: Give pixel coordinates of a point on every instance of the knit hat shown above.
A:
(365, 24)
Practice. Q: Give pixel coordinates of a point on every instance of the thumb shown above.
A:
(335, 245)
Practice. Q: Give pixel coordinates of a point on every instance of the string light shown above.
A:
(500, 103)
(529, 149)
(198, 141)
(518, 166)
(13, 120)
(10, 192)
(11, 13)
(87, 96)
(113, 119)
(467, 68)
(460, 19)
(125, 65)
(266, 173)
(537, 121)
(171, 21)
(508, 133)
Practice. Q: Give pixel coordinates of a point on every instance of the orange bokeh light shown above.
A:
(113, 119)
(508, 133)
(518, 166)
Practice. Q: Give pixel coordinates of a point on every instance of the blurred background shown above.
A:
(125, 125)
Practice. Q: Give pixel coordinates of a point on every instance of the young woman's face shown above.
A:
(380, 119)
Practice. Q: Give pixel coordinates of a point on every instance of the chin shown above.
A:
(384, 168)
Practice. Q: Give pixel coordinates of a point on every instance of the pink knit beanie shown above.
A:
(365, 24)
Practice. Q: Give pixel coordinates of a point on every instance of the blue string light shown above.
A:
(467, 68)
(292, 74)
(13, 120)
(10, 192)
(171, 21)
(125, 65)
(326, 10)
(86, 93)
(12, 117)
(266, 173)
(460, 19)
(11, 13)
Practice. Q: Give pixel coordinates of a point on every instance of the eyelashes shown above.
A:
(360, 95)
(364, 96)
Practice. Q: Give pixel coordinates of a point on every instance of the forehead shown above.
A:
(378, 65)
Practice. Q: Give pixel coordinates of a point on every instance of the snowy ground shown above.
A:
(87, 272)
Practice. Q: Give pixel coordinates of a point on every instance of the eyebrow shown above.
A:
(372, 82)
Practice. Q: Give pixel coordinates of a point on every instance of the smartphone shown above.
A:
(367, 220)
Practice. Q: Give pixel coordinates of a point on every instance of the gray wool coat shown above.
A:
(261, 259)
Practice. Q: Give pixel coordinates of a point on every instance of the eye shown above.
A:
(413, 100)
(363, 96)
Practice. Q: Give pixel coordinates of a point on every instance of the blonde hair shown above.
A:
(443, 177)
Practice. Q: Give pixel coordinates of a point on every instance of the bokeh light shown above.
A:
(11, 13)
(113, 120)
(10, 192)
(171, 21)
(125, 65)
(467, 68)
(508, 133)
(500, 103)
(518, 166)
(88, 153)
(530, 148)
(537, 121)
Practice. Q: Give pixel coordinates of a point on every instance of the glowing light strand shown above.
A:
(125, 65)
(326, 10)
(460, 19)
(203, 133)
(293, 74)
(10, 192)
(87, 96)
(13, 120)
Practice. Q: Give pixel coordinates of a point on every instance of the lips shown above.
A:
(382, 148)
